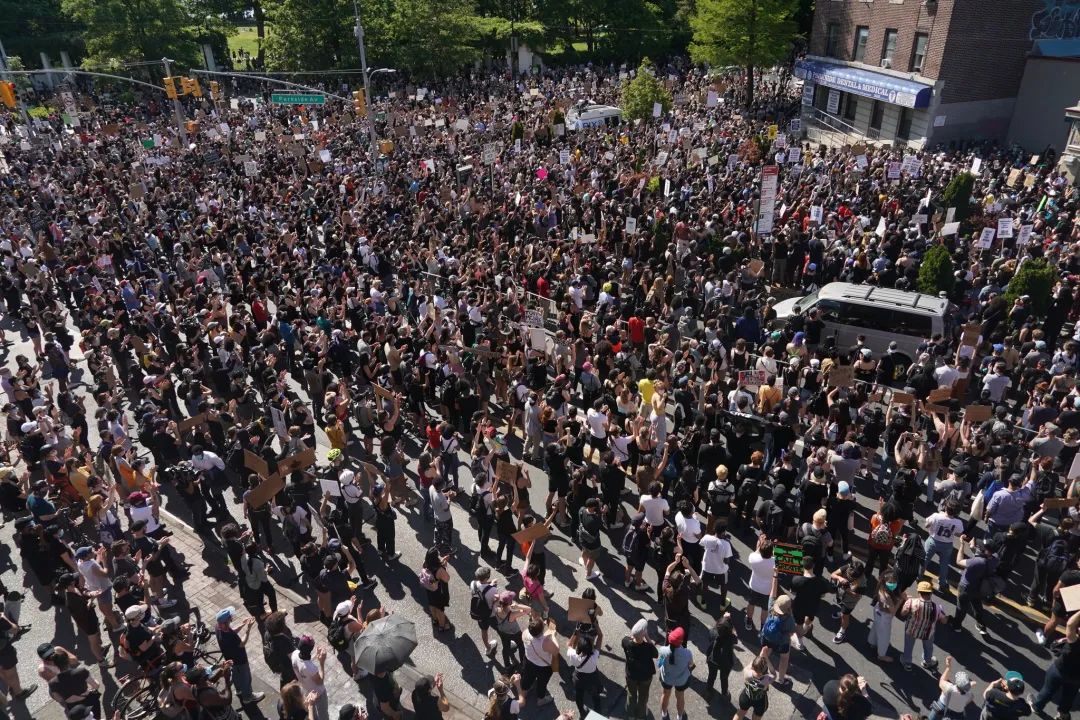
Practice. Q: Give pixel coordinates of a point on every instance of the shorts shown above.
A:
(595, 552)
(600, 444)
(9, 660)
(783, 648)
(487, 623)
(559, 486)
(677, 688)
(711, 580)
(759, 705)
(758, 599)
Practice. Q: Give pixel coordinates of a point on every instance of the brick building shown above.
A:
(920, 72)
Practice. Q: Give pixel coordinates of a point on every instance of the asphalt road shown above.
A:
(469, 674)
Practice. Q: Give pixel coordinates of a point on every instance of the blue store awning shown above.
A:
(879, 86)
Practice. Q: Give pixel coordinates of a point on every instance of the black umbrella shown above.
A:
(385, 644)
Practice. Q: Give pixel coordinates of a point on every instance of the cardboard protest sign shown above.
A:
(297, 462)
(536, 531)
(970, 335)
(579, 608)
(977, 413)
(256, 463)
(789, 558)
(1070, 596)
(194, 421)
(267, 489)
(902, 398)
(939, 394)
(1060, 503)
(842, 376)
(507, 472)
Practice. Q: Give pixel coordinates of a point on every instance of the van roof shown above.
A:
(584, 110)
(918, 303)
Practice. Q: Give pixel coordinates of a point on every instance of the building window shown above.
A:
(851, 105)
(862, 34)
(903, 126)
(918, 51)
(888, 48)
(832, 40)
(877, 114)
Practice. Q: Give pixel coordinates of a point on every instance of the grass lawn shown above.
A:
(246, 39)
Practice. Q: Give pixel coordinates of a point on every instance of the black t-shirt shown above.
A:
(1000, 706)
(807, 593)
(231, 646)
(640, 659)
(858, 709)
(71, 683)
(384, 687)
(135, 637)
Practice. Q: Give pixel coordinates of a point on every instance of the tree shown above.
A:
(936, 271)
(958, 195)
(641, 92)
(119, 31)
(315, 34)
(748, 33)
(36, 26)
(1036, 279)
(433, 39)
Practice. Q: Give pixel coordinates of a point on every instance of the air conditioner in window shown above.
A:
(886, 63)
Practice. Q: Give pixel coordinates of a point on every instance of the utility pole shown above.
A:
(178, 109)
(367, 85)
(22, 104)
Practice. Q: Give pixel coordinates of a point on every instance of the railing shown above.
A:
(830, 129)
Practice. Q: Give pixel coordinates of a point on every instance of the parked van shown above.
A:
(881, 315)
(586, 116)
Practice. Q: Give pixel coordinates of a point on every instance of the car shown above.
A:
(586, 115)
(881, 315)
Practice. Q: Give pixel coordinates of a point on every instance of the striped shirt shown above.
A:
(921, 616)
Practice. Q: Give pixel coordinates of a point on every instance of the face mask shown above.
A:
(890, 586)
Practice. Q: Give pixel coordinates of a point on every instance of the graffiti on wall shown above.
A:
(1058, 20)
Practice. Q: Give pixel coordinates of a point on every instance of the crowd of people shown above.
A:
(578, 312)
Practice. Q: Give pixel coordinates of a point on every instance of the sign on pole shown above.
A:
(489, 153)
(770, 181)
(297, 99)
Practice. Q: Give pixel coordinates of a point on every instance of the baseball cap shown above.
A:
(135, 612)
(1015, 681)
(842, 488)
(342, 609)
(926, 587)
(84, 552)
(224, 615)
(676, 637)
(348, 711)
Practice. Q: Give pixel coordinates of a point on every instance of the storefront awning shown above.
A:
(879, 86)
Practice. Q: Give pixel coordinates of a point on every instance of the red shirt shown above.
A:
(541, 287)
(637, 330)
(433, 437)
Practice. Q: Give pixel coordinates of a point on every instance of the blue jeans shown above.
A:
(241, 680)
(909, 646)
(931, 478)
(1055, 680)
(885, 471)
(943, 551)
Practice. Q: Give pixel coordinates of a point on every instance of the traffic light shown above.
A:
(215, 89)
(359, 103)
(170, 87)
(7, 94)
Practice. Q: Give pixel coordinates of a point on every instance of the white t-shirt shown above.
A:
(944, 528)
(94, 581)
(597, 420)
(761, 572)
(306, 670)
(655, 508)
(580, 663)
(717, 552)
(689, 528)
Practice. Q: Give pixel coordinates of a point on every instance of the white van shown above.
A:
(881, 315)
(586, 116)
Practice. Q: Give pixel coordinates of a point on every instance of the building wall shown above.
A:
(976, 120)
(906, 16)
(1049, 86)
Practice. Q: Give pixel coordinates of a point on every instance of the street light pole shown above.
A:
(177, 108)
(367, 84)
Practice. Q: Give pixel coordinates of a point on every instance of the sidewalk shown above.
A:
(207, 594)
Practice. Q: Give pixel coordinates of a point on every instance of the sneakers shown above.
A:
(748, 623)
(797, 643)
(492, 647)
(372, 582)
(1040, 636)
(906, 665)
(255, 699)
(930, 664)
(982, 629)
(594, 575)
(839, 637)
(26, 692)
(642, 586)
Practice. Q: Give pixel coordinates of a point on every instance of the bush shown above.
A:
(517, 130)
(958, 195)
(653, 185)
(39, 112)
(936, 271)
(1036, 278)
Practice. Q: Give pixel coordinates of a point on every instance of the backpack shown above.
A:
(812, 544)
(478, 606)
(630, 541)
(774, 522)
(910, 556)
(275, 663)
(793, 502)
(882, 534)
(772, 632)
(749, 490)
(478, 505)
(1055, 558)
(336, 636)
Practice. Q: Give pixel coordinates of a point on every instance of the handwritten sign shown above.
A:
(267, 489)
(753, 378)
(977, 413)
(789, 558)
(297, 462)
(842, 376)
(507, 472)
(534, 318)
(256, 463)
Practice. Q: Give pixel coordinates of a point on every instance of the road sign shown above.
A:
(297, 99)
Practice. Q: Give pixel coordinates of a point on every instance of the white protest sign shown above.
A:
(1024, 236)
(880, 229)
(324, 155)
(564, 157)
(1005, 228)
(794, 155)
(816, 213)
(657, 108)
(986, 238)
(950, 228)
(861, 162)
(976, 166)
(894, 171)
(712, 99)
(250, 168)
(631, 225)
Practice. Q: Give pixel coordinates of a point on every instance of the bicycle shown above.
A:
(137, 697)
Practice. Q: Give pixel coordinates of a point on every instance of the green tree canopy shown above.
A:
(118, 31)
(748, 33)
(432, 39)
(641, 92)
(958, 195)
(936, 271)
(1035, 278)
(36, 26)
